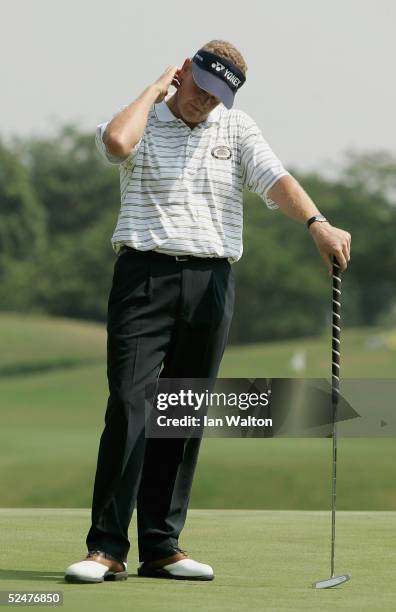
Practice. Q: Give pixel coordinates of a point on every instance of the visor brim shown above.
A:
(213, 85)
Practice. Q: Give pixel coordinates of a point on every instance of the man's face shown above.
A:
(194, 103)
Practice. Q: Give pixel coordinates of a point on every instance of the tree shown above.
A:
(23, 237)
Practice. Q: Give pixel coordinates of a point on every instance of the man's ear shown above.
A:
(186, 67)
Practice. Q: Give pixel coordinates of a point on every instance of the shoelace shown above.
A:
(177, 549)
(102, 554)
(91, 553)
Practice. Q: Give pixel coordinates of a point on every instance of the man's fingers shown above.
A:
(340, 258)
(327, 261)
(345, 250)
(338, 246)
(349, 245)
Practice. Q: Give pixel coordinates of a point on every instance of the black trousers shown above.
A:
(167, 313)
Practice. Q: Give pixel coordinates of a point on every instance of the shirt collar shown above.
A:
(164, 113)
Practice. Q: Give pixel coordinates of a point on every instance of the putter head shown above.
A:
(331, 582)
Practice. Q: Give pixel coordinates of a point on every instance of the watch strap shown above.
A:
(320, 218)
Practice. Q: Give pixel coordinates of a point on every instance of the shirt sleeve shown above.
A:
(114, 159)
(261, 168)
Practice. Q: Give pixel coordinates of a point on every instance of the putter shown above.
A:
(335, 386)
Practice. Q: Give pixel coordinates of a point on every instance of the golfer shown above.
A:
(184, 162)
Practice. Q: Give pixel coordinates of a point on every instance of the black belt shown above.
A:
(125, 248)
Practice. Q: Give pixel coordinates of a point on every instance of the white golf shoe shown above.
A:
(178, 566)
(96, 567)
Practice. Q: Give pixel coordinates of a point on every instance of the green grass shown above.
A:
(53, 395)
(35, 341)
(263, 560)
(358, 360)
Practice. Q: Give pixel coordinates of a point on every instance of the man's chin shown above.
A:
(193, 117)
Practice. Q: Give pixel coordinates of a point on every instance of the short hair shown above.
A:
(227, 51)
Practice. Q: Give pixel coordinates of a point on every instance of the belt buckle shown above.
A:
(181, 258)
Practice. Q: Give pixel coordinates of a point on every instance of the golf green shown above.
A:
(263, 560)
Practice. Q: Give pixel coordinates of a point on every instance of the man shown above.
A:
(184, 163)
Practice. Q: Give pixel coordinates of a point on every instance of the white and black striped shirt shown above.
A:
(177, 197)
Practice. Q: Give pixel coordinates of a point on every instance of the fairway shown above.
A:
(263, 560)
(53, 391)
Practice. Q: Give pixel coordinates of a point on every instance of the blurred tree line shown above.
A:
(59, 206)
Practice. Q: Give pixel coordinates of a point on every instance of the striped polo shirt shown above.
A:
(182, 188)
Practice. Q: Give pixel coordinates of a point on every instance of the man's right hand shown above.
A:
(168, 78)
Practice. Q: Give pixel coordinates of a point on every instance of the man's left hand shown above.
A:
(332, 241)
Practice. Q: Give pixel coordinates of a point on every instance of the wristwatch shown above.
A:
(319, 218)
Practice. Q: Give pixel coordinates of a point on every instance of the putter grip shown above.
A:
(336, 329)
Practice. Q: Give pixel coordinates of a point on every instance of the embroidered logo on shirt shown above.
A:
(221, 152)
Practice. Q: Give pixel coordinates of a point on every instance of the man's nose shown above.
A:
(207, 99)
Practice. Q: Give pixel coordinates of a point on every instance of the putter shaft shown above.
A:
(335, 387)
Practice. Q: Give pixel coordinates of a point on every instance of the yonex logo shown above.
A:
(217, 66)
(230, 76)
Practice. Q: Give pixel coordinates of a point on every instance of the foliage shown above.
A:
(59, 205)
